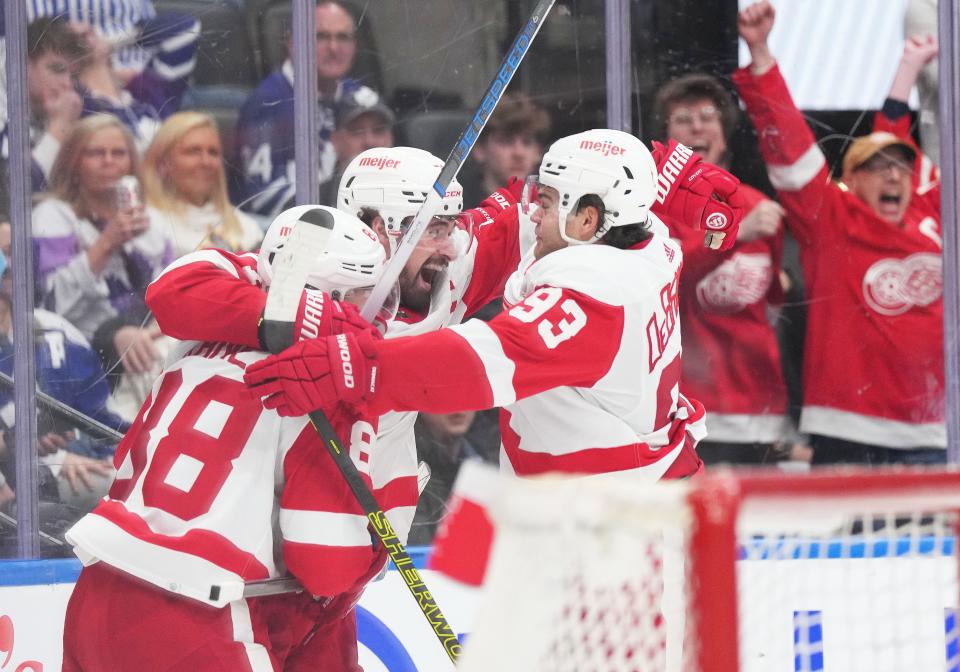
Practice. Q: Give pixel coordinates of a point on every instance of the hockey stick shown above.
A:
(308, 238)
(68, 414)
(459, 153)
(275, 586)
(291, 265)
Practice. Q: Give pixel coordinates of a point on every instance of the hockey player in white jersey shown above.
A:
(586, 360)
(213, 491)
(454, 271)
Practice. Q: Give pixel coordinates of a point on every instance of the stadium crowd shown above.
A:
(112, 94)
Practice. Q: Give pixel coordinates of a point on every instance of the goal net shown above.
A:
(838, 571)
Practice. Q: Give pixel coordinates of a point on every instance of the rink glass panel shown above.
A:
(433, 59)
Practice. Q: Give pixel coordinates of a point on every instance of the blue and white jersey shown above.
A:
(67, 369)
(158, 90)
(167, 44)
(265, 142)
(118, 21)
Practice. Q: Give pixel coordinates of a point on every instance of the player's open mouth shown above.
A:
(700, 149)
(428, 274)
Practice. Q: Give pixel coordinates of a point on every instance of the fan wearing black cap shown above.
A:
(363, 122)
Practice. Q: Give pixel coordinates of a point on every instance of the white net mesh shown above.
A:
(584, 577)
(597, 576)
(846, 584)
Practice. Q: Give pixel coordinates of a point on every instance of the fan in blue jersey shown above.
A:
(265, 134)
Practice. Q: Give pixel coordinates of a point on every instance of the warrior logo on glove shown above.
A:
(697, 193)
(717, 221)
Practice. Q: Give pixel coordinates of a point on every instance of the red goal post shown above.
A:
(834, 570)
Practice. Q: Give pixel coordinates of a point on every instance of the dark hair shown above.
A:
(693, 87)
(367, 215)
(620, 237)
(517, 114)
(625, 237)
(342, 4)
(52, 34)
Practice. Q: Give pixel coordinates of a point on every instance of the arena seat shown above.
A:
(433, 131)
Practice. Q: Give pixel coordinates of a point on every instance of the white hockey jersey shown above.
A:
(586, 365)
(212, 490)
(214, 294)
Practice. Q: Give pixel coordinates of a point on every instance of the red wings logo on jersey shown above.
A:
(894, 286)
(735, 284)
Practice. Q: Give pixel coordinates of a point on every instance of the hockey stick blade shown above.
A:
(461, 150)
(290, 269)
(291, 265)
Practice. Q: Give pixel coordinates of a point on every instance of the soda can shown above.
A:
(127, 193)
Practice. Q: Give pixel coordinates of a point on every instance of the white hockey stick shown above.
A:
(459, 153)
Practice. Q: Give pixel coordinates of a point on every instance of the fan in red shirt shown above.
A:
(731, 358)
(871, 255)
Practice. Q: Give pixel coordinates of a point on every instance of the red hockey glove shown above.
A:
(318, 316)
(316, 374)
(502, 199)
(698, 193)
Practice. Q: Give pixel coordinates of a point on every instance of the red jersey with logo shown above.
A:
(213, 490)
(731, 358)
(586, 365)
(873, 367)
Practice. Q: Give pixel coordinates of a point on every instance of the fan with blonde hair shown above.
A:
(64, 181)
(183, 167)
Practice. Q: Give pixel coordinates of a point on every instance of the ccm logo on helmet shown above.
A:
(345, 358)
(453, 193)
(668, 175)
(717, 220)
(379, 162)
(605, 147)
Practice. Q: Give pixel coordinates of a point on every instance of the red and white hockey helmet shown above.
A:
(614, 165)
(351, 263)
(394, 181)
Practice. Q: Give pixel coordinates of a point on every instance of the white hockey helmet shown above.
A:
(394, 181)
(350, 264)
(614, 165)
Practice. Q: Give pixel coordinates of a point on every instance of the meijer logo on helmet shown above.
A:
(605, 147)
(379, 162)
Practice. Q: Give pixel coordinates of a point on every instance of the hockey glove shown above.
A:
(502, 199)
(698, 193)
(316, 374)
(318, 316)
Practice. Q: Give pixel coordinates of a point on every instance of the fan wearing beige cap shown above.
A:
(871, 256)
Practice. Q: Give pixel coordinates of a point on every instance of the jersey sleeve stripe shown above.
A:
(324, 527)
(209, 256)
(489, 350)
(797, 175)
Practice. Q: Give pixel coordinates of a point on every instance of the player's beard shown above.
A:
(417, 288)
